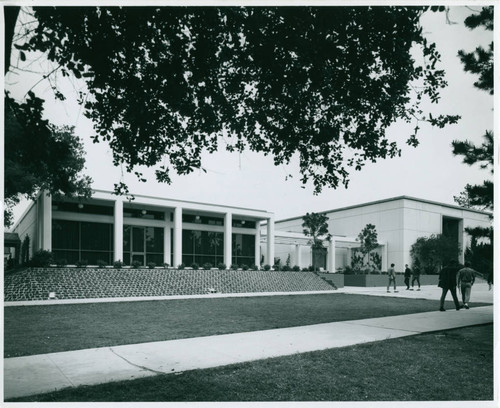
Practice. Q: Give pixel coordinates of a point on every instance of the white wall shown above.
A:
(388, 220)
(27, 225)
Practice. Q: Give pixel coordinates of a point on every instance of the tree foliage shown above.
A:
(430, 253)
(166, 84)
(368, 239)
(315, 225)
(39, 156)
(479, 62)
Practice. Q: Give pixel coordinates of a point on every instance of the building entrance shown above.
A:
(143, 245)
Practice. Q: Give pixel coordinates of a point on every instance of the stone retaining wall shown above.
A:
(82, 283)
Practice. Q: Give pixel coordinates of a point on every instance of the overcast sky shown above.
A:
(250, 180)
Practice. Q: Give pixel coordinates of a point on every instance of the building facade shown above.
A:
(165, 231)
(399, 221)
(145, 230)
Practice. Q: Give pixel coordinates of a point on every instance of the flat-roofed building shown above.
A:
(399, 221)
(144, 230)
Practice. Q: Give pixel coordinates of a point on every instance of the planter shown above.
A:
(382, 280)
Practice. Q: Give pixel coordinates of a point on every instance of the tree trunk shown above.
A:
(10, 17)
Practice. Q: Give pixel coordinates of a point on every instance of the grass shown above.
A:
(32, 330)
(426, 367)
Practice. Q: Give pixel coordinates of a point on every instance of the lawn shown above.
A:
(44, 329)
(426, 367)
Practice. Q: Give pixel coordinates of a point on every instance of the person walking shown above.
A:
(448, 282)
(392, 278)
(407, 277)
(465, 279)
(416, 277)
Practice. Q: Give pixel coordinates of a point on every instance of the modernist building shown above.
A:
(150, 229)
(146, 229)
(399, 221)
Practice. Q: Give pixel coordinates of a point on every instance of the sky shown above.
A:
(251, 180)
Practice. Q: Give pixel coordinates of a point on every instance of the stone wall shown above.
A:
(81, 283)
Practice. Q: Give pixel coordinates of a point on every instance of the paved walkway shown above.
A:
(24, 376)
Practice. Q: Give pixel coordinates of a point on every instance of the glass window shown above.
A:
(202, 247)
(146, 244)
(76, 241)
(144, 214)
(96, 236)
(243, 224)
(138, 239)
(82, 208)
(202, 219)
(126, 238)
(243, 249)
(65, 234)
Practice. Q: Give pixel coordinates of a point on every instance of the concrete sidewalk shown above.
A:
(24, 376)
(480, 292)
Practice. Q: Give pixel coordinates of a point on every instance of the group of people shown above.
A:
(450, 277)
(414, 275)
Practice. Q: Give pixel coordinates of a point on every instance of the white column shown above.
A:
(331, 256)
(118, 230)
(46, 236)
(177, 236)
(257, 244)
(228, 239)
(298, 255)
(349, 257)
(167, 244)
(270, 241)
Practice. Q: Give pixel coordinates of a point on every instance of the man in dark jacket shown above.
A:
(407, 277)
(448, 281)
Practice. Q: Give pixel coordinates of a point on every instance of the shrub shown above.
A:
(25, 250)
(136, 264)
(61, 262)
(151, 265)
(277, 267)
(117, 264)
(429, 253)
(181, 266)
(296, 268)
(285, 268)
(267, 267)
(254, 267)
(234, 266)
(244, 267)
(207, 266)
(101, 264)
(311, 268)
(221, 266)
(194, 265)
(305, 269)
(41, 258)
(82, 263)
(166, 265)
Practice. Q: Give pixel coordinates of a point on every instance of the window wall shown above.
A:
(243, 249)
(202, 247)
(78, 240)
(143, 245)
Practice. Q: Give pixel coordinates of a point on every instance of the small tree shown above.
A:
(368, 239)
(432, 252)
(25, 250)
(315, 226)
